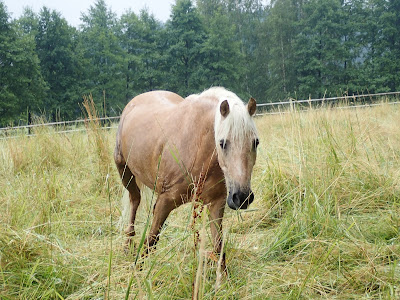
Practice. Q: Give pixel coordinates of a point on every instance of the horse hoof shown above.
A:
(215, 258)
(130, 231)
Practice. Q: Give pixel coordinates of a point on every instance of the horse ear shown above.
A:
(224, 108)
(252, 106)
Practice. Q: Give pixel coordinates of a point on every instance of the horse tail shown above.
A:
(125, 211)
(118, 157)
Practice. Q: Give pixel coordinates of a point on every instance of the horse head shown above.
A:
(236, 143)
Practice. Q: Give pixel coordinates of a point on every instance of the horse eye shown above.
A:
(255, 143)
(223, 144)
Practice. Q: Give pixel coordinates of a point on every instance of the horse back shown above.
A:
(152, 100)
(146, 102)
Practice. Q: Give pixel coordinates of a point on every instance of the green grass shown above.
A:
(324, 224)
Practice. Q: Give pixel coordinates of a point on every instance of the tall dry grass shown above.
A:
(324, 224)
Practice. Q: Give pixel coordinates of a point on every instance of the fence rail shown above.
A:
(293, 101)
(4, 132)
(337, 107)
(61, 123)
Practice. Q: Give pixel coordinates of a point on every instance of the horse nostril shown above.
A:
(240, 200)
(251, 198)
(236, 199)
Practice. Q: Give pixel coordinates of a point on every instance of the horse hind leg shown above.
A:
(134, 201)
(129, 182)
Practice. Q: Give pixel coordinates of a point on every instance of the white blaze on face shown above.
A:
(239, 171)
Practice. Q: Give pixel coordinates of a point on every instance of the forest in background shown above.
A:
(286, 48)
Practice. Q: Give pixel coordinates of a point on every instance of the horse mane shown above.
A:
(238, 124)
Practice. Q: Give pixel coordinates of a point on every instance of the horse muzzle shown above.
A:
(239, 199)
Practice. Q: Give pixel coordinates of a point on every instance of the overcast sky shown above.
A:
(72, 9)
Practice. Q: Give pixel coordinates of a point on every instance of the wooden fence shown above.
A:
(344, 102)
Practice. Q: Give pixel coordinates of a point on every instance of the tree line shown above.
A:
(286, 48)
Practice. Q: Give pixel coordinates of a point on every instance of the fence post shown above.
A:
(29, 122)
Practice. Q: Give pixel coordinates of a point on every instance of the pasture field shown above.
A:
(324, 224)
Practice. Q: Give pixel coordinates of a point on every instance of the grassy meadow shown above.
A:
(324, 224)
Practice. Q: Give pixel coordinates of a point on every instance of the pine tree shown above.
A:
(141, 41)
(22, 87)
(153, 54)
(281, 28)
(220, 53)
(383, 45)
(129, 38)
(60, 64)
(247, 16)
(105, 57)
(185, 38)
(320, 50)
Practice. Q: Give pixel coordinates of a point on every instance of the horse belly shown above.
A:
(140, 147)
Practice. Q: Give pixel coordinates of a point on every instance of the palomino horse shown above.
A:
(168, 143)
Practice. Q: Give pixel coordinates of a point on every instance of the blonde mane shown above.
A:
(238, 124)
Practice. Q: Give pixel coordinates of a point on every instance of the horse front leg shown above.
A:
(216, 209)
(164, 205)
